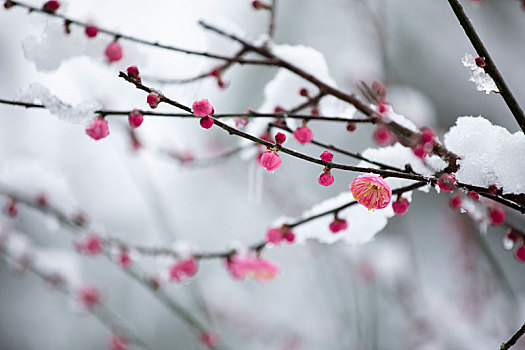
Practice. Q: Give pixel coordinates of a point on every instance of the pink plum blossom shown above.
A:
(153, 100)
(88, 296)
(338, 225)
(98, 129)
(447, 182)
(326, 179)
(135, 118)
(113, 52)
(327, 157)
(118, 342)
(249, 265)
(303, 135)
(400, 206)
(202, 108)
(371, 190)
(270, 160)
(182, 270)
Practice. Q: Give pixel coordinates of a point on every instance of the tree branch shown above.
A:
(401, 131)
(490, 67)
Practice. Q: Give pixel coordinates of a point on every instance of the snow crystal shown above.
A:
(485, 149)
(478, 76)
(82, 113)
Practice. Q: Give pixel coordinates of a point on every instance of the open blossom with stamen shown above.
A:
(182, 270)
(249, 265)
(371, 190)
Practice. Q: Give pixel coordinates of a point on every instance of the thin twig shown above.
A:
(513, 339)
(490, 67)
(250, 115)
(118, 35)
(76, 227)
(401, 131)
(233, 131)
(273, 15)
(342, 151)
(385, 173)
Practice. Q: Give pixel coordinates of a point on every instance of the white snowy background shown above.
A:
(438, 283)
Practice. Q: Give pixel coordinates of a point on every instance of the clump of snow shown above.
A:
(401, 120)
(334, 107)
(478, 76)
(363, 224)
(413, 104)
(490, 154)
(283, 89)
(82, 113)
(48, 49)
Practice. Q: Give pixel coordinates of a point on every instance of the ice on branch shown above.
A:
(484, 149)
(82, 113)
(478, 76)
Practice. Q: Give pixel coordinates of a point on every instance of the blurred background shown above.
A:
(429, 280)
